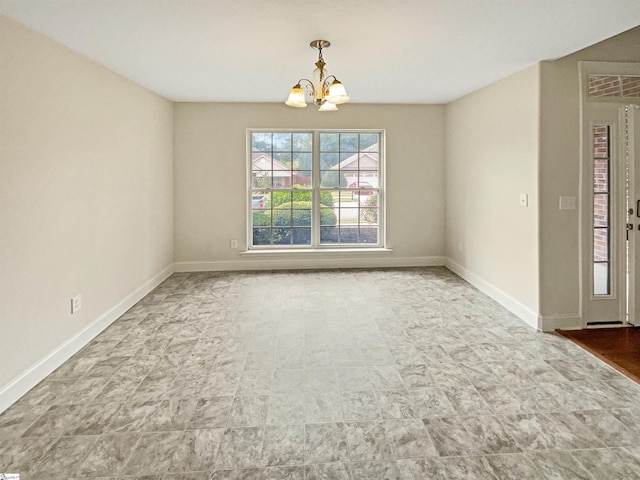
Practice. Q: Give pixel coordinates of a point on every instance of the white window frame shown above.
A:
(315, 245)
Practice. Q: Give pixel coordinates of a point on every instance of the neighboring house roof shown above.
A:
(367, 159)
(263, 162)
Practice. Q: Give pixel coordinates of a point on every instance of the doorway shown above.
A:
(610, 194)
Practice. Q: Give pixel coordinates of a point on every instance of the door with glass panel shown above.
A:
(610, 234)
(604, 252)
(611, 249)
(632, 127)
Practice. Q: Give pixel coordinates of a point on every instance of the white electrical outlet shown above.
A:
(76, 303)
(234, 243)
(567, 203)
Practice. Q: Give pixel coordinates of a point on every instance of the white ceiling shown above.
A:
(384, 51)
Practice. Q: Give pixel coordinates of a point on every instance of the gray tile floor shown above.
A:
(378, 374)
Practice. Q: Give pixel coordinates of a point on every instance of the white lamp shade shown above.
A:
(296, 98)
(337, 93)
(328, 107)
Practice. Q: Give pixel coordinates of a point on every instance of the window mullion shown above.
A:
(315, 181)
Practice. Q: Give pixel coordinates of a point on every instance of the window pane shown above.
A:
(302, 161)
(328, 217)
(601, 284)
(329, 142)
(262, 236)
(282, 161)
(281, 142)
(328, 160)
(601, 141)
(281, 200)
(329, 235)
(348, 142)
(261, 179)
(368, 216)
(347, 214)
(282, 236)
(604, 86)
(302, 179)
(369, 142)
(601, 175)
(332, 178)
(261, 142)
(600, 245)
(369, 161)
(302, 236)
(601, 210)
(302, 142)
(261, 218)
(631, 87)
(348, 235)
(328, 198)
(302, 196)
(301, 217)
(368, 234)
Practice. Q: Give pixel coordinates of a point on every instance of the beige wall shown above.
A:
(86, 203)
(560, 173)
(210, 177)
(492, 157)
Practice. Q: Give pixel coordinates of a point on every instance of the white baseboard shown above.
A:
(303, 261)
(550, 323)
(27, 380)
(15, 389)
(531, 317)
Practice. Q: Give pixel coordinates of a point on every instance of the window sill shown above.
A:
(316, 251)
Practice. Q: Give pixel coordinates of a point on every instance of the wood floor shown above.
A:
(619, 347)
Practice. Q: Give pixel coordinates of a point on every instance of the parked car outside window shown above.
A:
(364, 188)
(258, 201)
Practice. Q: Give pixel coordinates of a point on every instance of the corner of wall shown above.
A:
(529, 316)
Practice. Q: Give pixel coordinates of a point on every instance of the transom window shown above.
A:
(315, 189)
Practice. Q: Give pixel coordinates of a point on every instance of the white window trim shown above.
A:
(316, 247)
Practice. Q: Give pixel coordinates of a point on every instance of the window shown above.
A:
(613, 86)
(316, 189)
(601, 210)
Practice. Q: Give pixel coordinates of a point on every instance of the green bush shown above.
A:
(260, 218)
(300, 216)
(278, 198)
(326, 199)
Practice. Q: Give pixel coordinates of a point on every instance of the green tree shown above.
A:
(333, 178)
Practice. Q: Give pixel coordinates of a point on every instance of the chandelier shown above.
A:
(326, 91)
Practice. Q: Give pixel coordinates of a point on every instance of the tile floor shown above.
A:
(354, 374)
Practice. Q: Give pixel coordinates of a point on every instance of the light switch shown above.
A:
(524, 200)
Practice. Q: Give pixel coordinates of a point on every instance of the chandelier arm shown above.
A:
(327, 83)
(309, 86)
